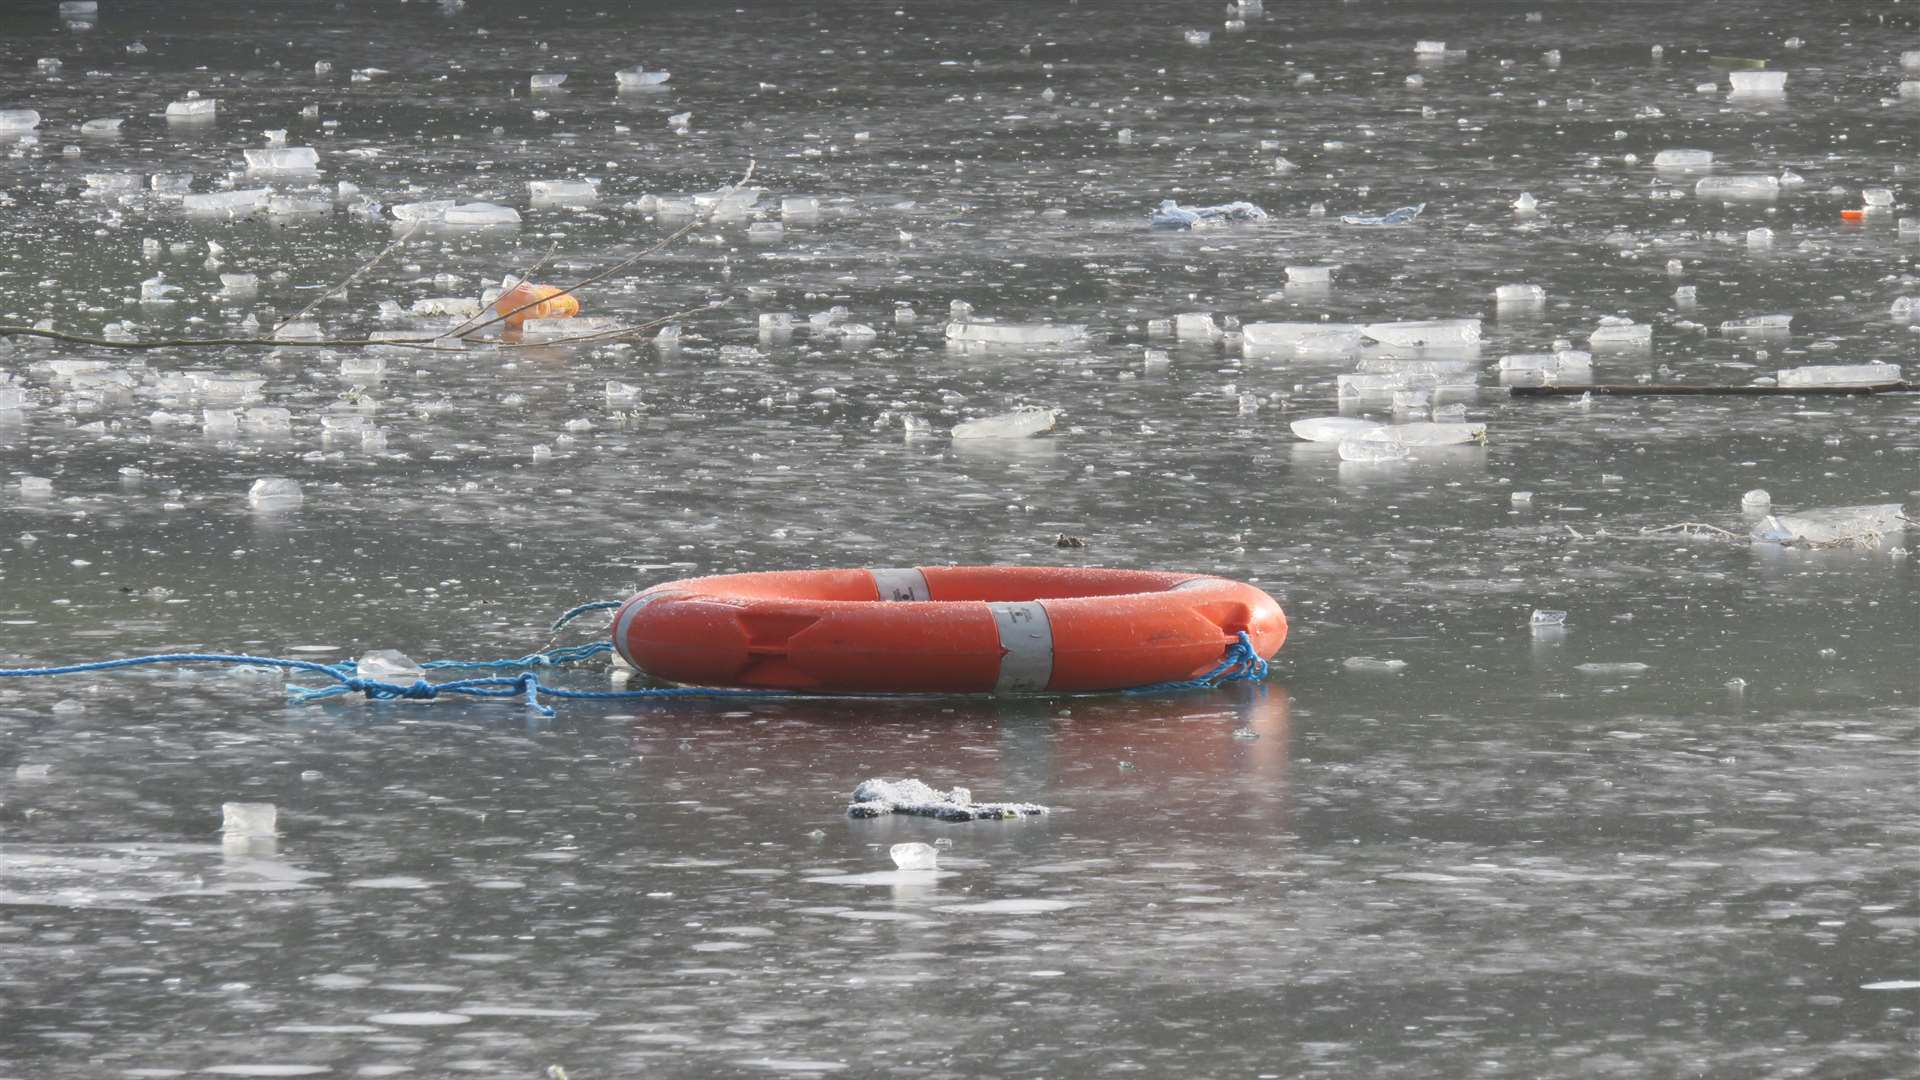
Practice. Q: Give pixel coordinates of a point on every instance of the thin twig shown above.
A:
(277, 343)
(1692, 528)
(616, 268)
(350, 279)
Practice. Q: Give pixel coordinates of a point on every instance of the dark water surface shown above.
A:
(1491, 863)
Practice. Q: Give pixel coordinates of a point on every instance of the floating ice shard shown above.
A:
(1683, 160)
(480, 213)
(249, 818)
(1425, 433)
(1746, 186)
(234, 203)
(1757, 83)
(271, 491)
(1822, 526)
(874, 798)
(992, 333)
(1426, 333)
(1018, 424)
(1520, 294)
(193, 108)
(1374, 665)
(634, 78)
(1875, 374)
(546, 82)
(1617, 333)
(283, 159)
(1332, 429)
(915, 856)
(563, 192)
(389, 666)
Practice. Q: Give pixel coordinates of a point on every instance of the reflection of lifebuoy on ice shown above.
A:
(944, 629)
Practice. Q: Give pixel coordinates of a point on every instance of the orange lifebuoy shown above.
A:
(943, 629)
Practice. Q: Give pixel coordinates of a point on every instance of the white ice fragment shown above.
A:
(1623, 668)
(1332, 429)
(1874, 374)
(15, 120)
(546, 82)
(562, 192)
(273, 490)
(1309, 275)
(1683, 160)
(301, 330)
(1304, 338)
(1428, 333)
(874, 798)
(1876, 197)
(1760, 237)
(238, 284)
(1424, 433)
(389, 666)
(1520, 294)
(426, 212)
(227, 202)
(193, 108)
(766, 231)
(1195, 326)
(1615, 333)
(534, 331)
(1757, 83)
(1543, 617)
(991, 333)
(1756, 500)
(915, 856)
(283, 159)
(1745, 186)
(1018, 424)
(1526, 203)
(1199, 37)
(634, 78)
(1430, 48)
(1867, 525)
(1374, 665)
(619, 393)
(35, 487)
(480, 213)
(249, 818)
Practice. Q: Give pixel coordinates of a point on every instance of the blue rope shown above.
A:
(1241, 663)
(573, 613)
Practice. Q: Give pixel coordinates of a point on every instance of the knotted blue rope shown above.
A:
(1241, 663)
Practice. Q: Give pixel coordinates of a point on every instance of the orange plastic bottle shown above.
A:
(547, 301)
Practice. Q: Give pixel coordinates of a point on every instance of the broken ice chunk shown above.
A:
(480, 213)
(1760, 238)
(1876, 196)
(634, 78)
(1624, 668)
(14, 120)
(1874, 374)
(1683, 160)
(991, 333)
(1332, 429)
(535, 331)
(233, 203)
(562, 192)
(1018, 424)
(1747, 186)
(1520, 294)
(35, 487)
(193, 108)
(283, 159)
(1425, 433)
(1428, 333)
(1618, 333)
(1195, 326)
(1404, 215)
(874, 798)
(1429, 48)
(546, 82)
(915, 856)
(426, 212)
(1830, 525)
(1374, 665)
(274, 491)
(1758, 83)
(1756, 500)
(1526, 203)
(1303, 338)
(389, 666)
(1309, 275)
(249, 818)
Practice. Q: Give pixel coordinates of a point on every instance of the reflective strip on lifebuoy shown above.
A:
(951, 629)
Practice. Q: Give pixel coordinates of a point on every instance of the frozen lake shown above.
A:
(1674, 837)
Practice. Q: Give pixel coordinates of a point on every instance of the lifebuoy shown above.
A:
(943, 629)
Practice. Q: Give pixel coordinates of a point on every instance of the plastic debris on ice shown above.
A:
(1171, 215)
(1402, 216)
